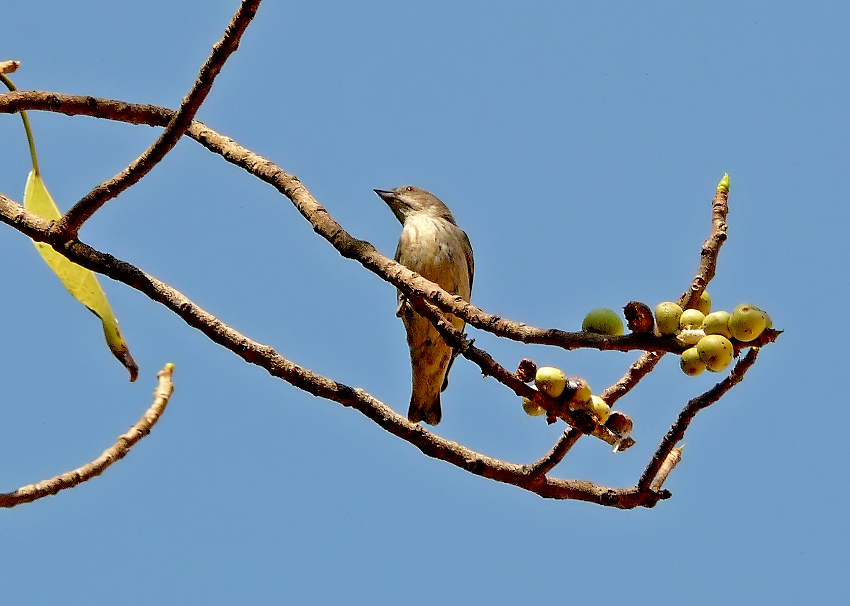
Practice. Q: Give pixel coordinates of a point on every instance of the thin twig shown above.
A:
(548, 461)
(641, 367)
(182, 119)
(677, 431)
(669, 464)
(710, 248)
(707, 267)
(117, 451)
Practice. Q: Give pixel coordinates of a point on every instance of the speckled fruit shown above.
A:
(691, 363)
(532, 409)
(716, 352)
(717, 323)
(667, 316)
(747, 322)
(550, 380)
(691, 319)
(603, 321)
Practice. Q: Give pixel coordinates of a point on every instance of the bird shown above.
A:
(432, 245)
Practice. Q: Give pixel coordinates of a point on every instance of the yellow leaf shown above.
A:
(81, 282)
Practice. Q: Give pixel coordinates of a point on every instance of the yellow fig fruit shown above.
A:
(599, 409)
(747, 322)
(550, 380)
(581, 395)
(691, 319)
(691, 363)
(716, 352)
(667, 316)
(717, 323)
(703, 303)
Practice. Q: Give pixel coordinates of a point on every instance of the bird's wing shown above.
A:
(399, 295)
(470, 261)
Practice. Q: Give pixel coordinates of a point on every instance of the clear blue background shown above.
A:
(579, 145)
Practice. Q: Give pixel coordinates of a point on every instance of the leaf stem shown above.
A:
(5, 80)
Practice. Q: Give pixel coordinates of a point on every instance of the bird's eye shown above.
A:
(409, 188)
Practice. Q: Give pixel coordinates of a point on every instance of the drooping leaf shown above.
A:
(80, 282)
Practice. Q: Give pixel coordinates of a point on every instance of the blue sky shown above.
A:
(579, 146)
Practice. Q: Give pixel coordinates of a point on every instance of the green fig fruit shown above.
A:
(717, 323)
(703, 303)
(603, 321)
(691, 319)
(667, 316)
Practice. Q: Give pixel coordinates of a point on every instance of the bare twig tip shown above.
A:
(7, 67)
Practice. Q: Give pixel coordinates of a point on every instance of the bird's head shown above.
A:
(408, 200)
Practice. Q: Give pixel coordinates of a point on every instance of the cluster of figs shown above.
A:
(707, 335)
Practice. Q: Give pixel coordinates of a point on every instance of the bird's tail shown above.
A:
(427, 411)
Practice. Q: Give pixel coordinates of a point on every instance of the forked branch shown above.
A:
(434, 303)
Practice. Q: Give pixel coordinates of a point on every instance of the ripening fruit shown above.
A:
(691, 319)
(550, 380)
(704, 303)
(691, 363)
(582, 393)
(747, 322)
(603, 321)
(717, 323)
(667, 316)
(715, 351)
(599, 409)
(532, 409)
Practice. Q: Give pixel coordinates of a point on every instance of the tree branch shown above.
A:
(323, 224)
(557, 454)
(434, 300)
(266, 357)
(707, 267)
(119, 450)
(176, 128)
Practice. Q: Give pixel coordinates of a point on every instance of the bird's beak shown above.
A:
(396, 204)
(385, 195)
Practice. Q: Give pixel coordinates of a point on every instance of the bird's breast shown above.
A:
(434, 248)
